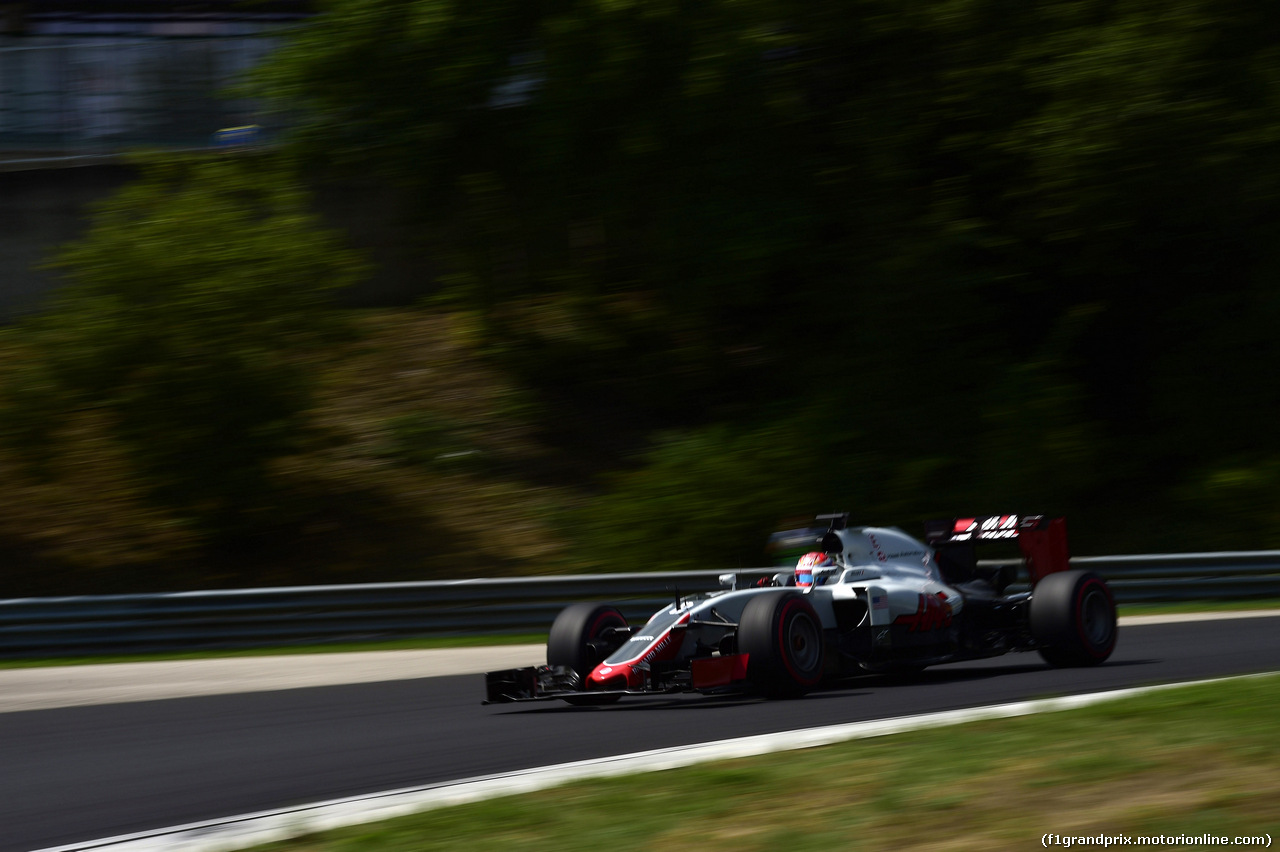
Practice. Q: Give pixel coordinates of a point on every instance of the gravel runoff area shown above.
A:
(114, 683)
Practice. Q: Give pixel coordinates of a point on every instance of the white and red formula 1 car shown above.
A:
(868, 599)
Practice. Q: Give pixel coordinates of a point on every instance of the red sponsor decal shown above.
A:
(708, 672)
(932, 612)
(661, 651)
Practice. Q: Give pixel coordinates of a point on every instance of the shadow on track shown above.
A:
(857, 686)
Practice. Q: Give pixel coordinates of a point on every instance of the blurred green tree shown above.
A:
(706, 497)
(987, 233)
(199, 308)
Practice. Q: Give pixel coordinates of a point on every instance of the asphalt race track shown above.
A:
(79, 773)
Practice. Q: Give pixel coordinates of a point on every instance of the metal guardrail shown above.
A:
(378, 611)
(314, 614)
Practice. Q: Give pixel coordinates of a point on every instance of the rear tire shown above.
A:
(576, 640)
(1073, 617)
(783, 636)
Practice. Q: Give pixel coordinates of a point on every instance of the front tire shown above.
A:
(578, 640)
(1073, 617)
(783, 636)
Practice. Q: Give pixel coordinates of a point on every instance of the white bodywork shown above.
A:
(886, 561)
(896, 575)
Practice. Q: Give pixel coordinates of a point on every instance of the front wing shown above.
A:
(544, 683)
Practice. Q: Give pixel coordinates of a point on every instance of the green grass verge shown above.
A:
(1199, 606)
(1190, 761)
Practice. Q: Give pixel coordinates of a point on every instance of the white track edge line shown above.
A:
(238, 832)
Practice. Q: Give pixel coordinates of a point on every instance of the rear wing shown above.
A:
(1041, 539)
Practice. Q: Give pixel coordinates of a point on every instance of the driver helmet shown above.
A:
(809, 563)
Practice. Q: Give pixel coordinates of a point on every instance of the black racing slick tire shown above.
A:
(578, 640)
(1073, 619)
(782, 635)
